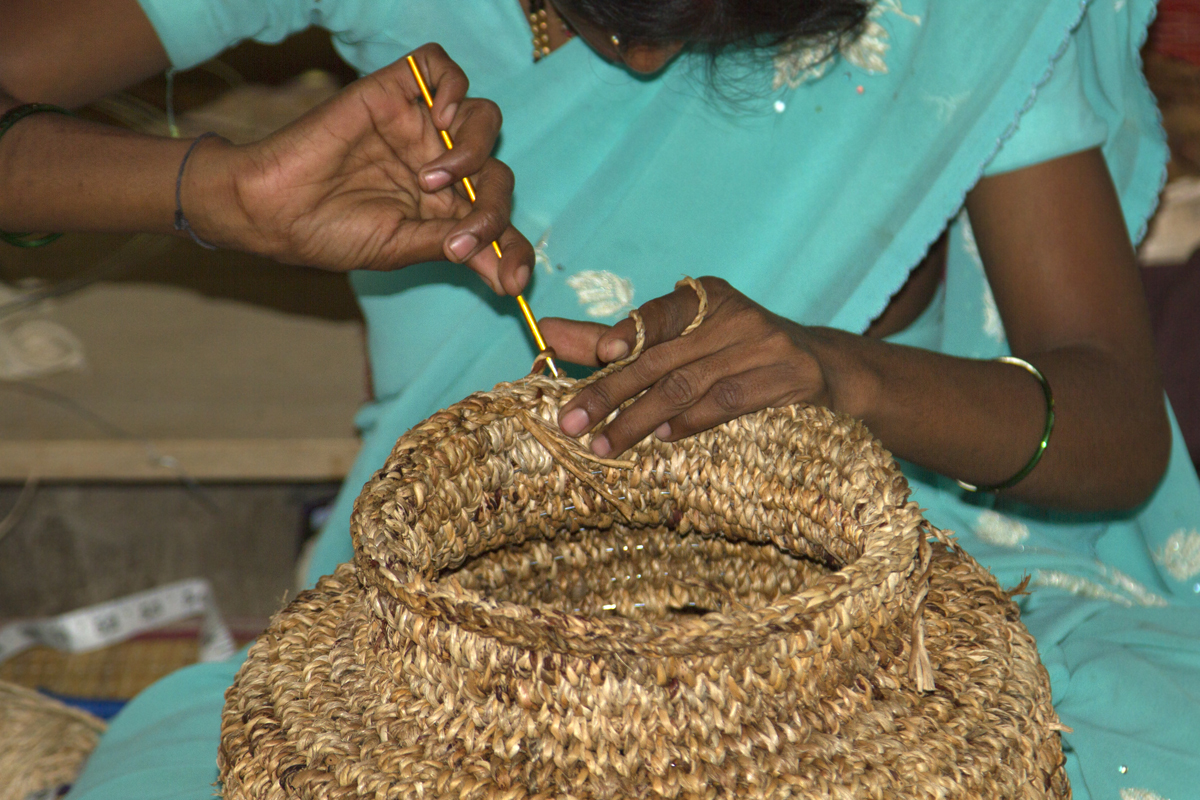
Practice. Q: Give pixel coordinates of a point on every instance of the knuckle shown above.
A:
(718, 290)
(517, 245)
(492, 112)
(664, 319)
(598, 400)
(493, 220)
(678, 389)
(775, 340)
(713, 282)
(652, 363)
(500, 175)
(742, 307)
(729, 395)
(479, 124)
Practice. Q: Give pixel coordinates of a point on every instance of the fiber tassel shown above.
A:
(920, 668)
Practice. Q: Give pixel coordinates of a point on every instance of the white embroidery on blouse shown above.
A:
(993, 326)
(1140, 794)
(800, 62)
(997, 529)
(541, 253)
(1134, 588)
(1076, 585)
(970, 246)
(602, 293)
(1181, 555)
(1135, 592)
(944, 106)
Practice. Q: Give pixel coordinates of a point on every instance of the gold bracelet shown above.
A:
(1041, 448)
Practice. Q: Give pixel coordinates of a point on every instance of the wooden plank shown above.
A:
(175, 459)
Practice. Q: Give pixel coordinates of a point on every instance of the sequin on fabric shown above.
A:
(802, 62)
(1180, 556)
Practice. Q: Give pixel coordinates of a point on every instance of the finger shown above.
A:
(572, 340)
(669, 397)
(412, 243)
(488, 217)
(474, 133)
(517, 265)
(601, 398)
(728, 398)
(663, 318)
(510, 274)
(446, 82)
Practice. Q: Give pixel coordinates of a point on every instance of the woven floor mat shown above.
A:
(118, 672)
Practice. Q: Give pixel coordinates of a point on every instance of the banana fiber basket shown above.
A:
(757, 611)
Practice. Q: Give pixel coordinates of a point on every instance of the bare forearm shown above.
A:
(981, 421)
(362, 181)
(61, 173)
(72, 52)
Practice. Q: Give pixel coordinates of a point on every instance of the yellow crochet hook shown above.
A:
(528, 314)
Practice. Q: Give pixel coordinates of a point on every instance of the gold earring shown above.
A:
(616, 41)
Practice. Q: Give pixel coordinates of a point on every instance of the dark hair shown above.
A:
(718, 25)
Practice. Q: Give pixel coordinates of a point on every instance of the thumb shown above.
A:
(573, 340)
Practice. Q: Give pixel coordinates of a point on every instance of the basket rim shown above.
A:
(837, 602)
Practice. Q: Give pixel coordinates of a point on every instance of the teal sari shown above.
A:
(815, 192)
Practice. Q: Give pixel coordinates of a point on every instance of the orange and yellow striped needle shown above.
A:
(466, 182)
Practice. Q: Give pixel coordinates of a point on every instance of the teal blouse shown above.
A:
(814, 191)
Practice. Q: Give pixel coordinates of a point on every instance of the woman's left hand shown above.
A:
(741, 359)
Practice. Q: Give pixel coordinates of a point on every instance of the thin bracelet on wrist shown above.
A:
(181, 220)
(10, 118)
(1046, 431)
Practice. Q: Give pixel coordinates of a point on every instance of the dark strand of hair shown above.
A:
(715, 26)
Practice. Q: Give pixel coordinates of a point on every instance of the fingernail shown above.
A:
(463, 245)
(615, 350)
(574, 422)
(437, 179)
(522, 276)
(601, 446)
(449, 114)
(663, 431)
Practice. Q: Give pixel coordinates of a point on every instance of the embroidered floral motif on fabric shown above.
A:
(945, 106)
(1122, 589)
(1140, 794)
(999, 530)
(602, 293)
(1181, 555)
(802, 62)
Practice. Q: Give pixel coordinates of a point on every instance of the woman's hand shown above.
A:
(1066, 282)
(741, 359)
(364, 181)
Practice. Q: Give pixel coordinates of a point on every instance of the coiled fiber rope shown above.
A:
(755, 611)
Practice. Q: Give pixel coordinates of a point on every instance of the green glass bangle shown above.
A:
(10, 118)
(1049, 428)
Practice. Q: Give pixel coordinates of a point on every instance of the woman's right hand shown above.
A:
(364, 181)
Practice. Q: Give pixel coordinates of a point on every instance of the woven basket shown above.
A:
(753, 612)
(43, 743)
